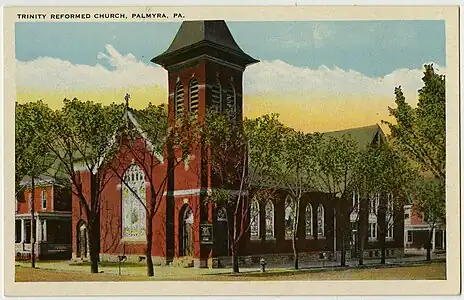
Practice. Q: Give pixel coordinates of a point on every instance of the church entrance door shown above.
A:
(222, 233)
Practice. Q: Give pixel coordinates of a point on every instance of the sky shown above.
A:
(319, 76)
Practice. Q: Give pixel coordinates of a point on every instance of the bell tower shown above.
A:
(205, 71)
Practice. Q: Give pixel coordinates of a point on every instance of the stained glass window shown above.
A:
(289, 217)
(133, 211)
(254, 220)
(309, 220)
(320, 220)
(269, 210)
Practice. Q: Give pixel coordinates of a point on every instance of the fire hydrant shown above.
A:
(262, 262)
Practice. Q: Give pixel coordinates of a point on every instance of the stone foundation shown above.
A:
(249, 260)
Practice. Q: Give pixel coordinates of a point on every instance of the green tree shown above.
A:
(384, 175)
(296, 176)
(82, 137)
(335, 160)
(244, 158)
(32, 156)
(430, 201)
(420, 133)
(147, 139)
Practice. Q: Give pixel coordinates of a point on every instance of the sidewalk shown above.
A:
(170, 271)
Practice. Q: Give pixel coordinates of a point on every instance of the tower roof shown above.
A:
(193, 35)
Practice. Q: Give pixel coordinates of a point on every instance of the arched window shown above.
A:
(179, 100)
(320, 221)
(216, 96)
(133, 195)
(231, 99)
(254, 220)
(269, 211)
(193, 96)
(289, 217)
(309, 220)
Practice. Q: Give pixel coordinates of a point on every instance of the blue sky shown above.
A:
(374, 48)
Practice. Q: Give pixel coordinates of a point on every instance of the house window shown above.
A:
(372, 231)
(309, 220)
(406, 216)
(216, 96)
(409, 236)
(178, 100)
(269, 210)
(289, 217)
(320, 221)
(254, 216)
(193, 96)
(44, 199)
(390, 231)
(356, 201)
(133, 203)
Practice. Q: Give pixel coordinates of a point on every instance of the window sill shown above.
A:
(310, 237)
(133, 240)
(372, 239)
(321, 237)
(389, 239)
(271, 239)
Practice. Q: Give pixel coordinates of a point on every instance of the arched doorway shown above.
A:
(186, 246)
(82, 240)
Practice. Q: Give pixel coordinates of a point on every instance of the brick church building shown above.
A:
(205, 69)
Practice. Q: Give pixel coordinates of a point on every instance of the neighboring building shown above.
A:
(417, 231)
(52, 205)
(205, 69)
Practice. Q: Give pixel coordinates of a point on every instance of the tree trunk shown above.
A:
(150, 269)
(33, 230)
(342, 247)
(235, 267)
(295, 251)
(361, 229)
(429, 245)
(93, 249)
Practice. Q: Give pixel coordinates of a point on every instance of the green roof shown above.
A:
(196, 34)
(364, 136)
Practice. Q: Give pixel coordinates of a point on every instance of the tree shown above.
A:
(420, 133)
(430, 194)
(244, 157)
(296, 176)
(32, 157)
(82, 137)
(385, 179)
(335, 159)
(147, 139)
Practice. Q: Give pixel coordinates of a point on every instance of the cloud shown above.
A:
(267, 77)
(57, 74)
(280, 77)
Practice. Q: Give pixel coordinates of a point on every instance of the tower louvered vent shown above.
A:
(193, 96)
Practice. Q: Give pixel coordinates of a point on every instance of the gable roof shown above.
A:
(364, 136)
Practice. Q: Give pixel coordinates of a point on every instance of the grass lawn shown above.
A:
(434, 271)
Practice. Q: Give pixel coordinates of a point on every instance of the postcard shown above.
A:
(284, 150)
